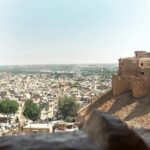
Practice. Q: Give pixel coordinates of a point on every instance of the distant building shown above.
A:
(38, 128)
(133, 75)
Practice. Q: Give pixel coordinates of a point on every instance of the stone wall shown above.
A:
(144, 72)
(134, 75)
(129, 67)
(120, 84)
(140, 54)
(144, 62)
(139, 86)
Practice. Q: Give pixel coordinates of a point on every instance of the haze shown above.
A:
(72, 31)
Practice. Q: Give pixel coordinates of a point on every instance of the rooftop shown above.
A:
(41, 126)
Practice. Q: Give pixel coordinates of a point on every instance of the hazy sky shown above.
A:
(72, 31)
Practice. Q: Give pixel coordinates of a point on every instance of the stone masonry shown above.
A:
(133, 75)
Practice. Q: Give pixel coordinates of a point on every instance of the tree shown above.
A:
(67, 108)
(9, 107)
(31, 110)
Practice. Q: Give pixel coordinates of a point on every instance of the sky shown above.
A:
(72, 31)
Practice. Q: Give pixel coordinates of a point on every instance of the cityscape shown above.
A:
(74, 75)
(44, 85)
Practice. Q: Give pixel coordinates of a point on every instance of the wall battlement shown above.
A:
(133, 75)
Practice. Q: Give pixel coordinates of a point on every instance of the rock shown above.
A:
(59, 141)
(111, 133)
(104, 132)
(144, 134)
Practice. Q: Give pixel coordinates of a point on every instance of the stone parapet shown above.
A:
(121, 84)
(139, 86)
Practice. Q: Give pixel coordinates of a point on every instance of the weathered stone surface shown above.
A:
(144, 134)
(104, 132)
(62, 141)
(111, 133)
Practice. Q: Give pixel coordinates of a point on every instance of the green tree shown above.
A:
(67, 108)
(9, 107)
(31, 110)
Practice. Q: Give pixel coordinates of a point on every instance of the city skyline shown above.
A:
(72, 32)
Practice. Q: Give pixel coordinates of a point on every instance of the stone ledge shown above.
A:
(59, 141)
(111, 133)
(100, 132)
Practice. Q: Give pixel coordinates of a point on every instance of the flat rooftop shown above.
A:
(40, 126)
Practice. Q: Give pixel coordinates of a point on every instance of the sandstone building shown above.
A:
(133, 75)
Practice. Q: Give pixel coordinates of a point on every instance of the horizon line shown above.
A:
(58, 64)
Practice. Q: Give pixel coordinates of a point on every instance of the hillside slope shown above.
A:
(135, 112)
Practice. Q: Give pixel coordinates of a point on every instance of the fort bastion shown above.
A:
(133, 75)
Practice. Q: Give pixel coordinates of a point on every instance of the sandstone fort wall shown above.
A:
(139, 86)
(133, 75)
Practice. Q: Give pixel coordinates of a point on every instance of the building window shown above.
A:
(142, 73)
(142, 64)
